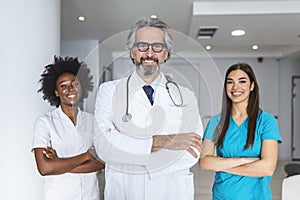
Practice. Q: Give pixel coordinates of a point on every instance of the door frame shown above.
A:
(293, 84)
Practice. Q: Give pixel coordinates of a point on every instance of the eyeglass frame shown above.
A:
(148, 45)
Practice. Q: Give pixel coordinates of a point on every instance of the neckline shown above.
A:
(238, 125)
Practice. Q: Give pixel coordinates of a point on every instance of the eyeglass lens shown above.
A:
(144, 46)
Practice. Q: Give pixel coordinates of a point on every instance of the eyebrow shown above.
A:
(238, 78)
(66, 81)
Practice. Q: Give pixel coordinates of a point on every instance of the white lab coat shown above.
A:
(55, 129)
(154, 178)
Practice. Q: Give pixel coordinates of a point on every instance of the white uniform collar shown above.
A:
(78, 117)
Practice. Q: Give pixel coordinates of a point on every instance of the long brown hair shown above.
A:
(252, 107)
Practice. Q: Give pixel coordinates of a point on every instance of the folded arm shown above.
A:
(256, 167)
(265, 166)
(209, 161)
(48, 163)
(89, 166)
(182, 141)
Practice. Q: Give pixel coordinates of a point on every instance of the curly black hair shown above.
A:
(59, 67)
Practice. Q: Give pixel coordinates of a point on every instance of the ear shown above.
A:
(56, 93)
(132, 54)
(252, 86)
(166, 56)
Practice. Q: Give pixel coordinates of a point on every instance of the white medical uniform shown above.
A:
(56, 130)
(170, 182)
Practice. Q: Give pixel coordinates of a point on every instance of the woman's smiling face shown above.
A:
(68, 89)
(238, 86)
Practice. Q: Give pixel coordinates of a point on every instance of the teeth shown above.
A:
(236, 93)
(149, 61)
(71, 96)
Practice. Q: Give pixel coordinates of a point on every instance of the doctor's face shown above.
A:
(149, 52)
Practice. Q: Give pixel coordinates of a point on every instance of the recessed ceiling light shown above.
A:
(153, 16)
(238, 33)
(81, 18)
(208, 47)
(255, 47)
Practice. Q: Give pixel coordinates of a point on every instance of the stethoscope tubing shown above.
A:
(127, 117)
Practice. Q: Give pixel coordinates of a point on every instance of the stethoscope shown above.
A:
(127, 117)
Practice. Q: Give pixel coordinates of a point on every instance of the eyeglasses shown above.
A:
(157, 47)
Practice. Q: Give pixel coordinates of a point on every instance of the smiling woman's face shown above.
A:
(238, 86)
(68, 89)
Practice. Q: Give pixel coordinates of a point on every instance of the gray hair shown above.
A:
(150, 22)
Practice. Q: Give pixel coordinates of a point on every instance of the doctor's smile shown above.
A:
(149, 60)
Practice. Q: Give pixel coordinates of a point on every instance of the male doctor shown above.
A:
(153, 146)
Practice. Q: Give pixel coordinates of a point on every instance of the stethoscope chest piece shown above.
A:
(127, 117)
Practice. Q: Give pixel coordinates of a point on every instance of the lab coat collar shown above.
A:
(65, 117)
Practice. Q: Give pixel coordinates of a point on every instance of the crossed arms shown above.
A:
(263, 166)
(48, 163)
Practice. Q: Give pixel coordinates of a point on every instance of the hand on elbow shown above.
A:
(204, 165)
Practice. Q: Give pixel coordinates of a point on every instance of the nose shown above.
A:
(70, 87)
(234, 85)
(150, 52)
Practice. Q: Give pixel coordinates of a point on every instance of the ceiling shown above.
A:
(273, 25)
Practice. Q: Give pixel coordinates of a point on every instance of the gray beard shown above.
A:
(148, 71)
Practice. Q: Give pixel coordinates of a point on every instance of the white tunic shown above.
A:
(56, 130)
(129, 172)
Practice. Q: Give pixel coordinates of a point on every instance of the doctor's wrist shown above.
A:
(160, 142)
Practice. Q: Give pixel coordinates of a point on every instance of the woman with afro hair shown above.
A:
(63, 137)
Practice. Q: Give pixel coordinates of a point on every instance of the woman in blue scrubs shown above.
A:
(245, 139)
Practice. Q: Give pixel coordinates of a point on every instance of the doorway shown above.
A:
(295, 117)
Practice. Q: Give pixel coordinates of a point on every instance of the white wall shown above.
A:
(78, 48)
(29, 37)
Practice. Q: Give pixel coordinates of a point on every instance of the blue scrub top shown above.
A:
(229, 186)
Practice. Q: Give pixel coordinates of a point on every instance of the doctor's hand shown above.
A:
(182, 141)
